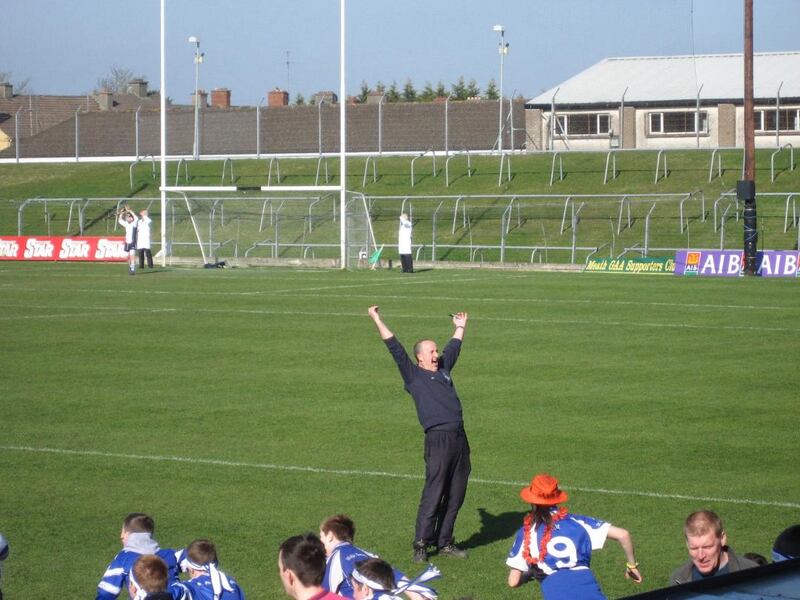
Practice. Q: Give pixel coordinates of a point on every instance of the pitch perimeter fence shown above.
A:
(509, 229)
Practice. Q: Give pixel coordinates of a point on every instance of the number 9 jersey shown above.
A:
(570, 547)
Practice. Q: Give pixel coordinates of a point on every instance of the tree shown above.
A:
(459, 89)
(491, 91)
(441, 91)
(362, 97)
(117, 80)
(392, 95)
(409, 93)
(380, 88)
(427, 94)
(473, 91)
(21, 87)
(299, 100)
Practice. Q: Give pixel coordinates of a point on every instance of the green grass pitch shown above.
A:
(246, 405)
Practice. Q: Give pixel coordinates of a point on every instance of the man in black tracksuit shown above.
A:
(447, 463)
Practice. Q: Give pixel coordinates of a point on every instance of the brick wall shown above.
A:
(284, 129)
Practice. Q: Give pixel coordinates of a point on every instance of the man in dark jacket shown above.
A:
(447, 460)
(709, 553)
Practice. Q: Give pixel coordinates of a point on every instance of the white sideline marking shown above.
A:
(303, 292)
(64, 315)
(349, 472)
(292, 313)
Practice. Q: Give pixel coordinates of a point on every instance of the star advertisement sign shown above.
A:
(103, 249)
(730, 263)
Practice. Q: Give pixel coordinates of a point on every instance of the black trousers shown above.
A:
(447, 468)
(407, 263)
(145, 252)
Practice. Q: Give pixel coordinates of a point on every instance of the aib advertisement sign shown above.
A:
(730, 263)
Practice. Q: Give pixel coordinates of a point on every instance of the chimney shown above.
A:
(138, 87)
(278, 97)
(6, 90)
(105, 99)
(221, 98)
(325, 97)
(202, 98)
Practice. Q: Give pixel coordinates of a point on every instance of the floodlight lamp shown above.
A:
(498, 28)
(193, 39)
(503, 48)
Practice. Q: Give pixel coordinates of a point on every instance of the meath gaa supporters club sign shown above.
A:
(631, 265)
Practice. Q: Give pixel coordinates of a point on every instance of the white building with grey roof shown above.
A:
(669, 102)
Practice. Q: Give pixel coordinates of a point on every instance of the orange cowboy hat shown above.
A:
(544, 491)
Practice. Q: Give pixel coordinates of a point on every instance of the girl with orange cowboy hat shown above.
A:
(555, 546)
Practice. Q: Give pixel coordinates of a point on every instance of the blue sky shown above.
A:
(65, 47)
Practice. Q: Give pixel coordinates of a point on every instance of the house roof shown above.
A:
(676, 79)
(39, 113)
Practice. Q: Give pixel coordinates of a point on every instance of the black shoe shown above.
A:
(420, 552)
(452, 550)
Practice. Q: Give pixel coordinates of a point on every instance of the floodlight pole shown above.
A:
(503, 50)
(746, 188)
(198, 58)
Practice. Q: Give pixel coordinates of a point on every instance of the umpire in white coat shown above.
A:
(404, 244)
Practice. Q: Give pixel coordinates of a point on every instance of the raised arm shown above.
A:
(624, 538)
(460, 322)
(385, 332)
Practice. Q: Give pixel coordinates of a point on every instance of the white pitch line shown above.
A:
(303, 292)
(64, 315)
(386, 474)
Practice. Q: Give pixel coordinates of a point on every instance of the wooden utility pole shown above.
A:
(746, 188)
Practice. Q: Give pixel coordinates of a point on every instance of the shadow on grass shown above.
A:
(494, 528)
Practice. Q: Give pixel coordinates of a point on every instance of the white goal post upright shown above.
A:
(341, 188)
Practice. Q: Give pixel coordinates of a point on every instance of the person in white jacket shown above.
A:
(143, 239)
(404, 244)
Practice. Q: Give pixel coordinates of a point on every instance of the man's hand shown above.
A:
(384, 331)
(460, 321)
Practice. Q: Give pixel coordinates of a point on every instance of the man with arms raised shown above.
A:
(709, 553)
(447, 455)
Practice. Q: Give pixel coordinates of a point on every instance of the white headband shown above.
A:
(141, 594)
(219, 581)
(428, 574)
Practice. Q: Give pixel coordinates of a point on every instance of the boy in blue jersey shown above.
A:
(149, 580)
(137, 539)
(555, 546)
(206, 581)
(337, 535)
(374, 579)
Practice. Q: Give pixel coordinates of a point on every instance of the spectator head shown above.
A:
(301, 563)
(148, 576)
(370, 576)
(706, 541)
(336, 529)
(202, 552)
(136, 523)
(787, 544)
(543, 491)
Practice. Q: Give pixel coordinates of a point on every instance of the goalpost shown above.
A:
(164, 188)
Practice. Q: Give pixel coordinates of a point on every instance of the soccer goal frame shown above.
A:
(165, 188)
